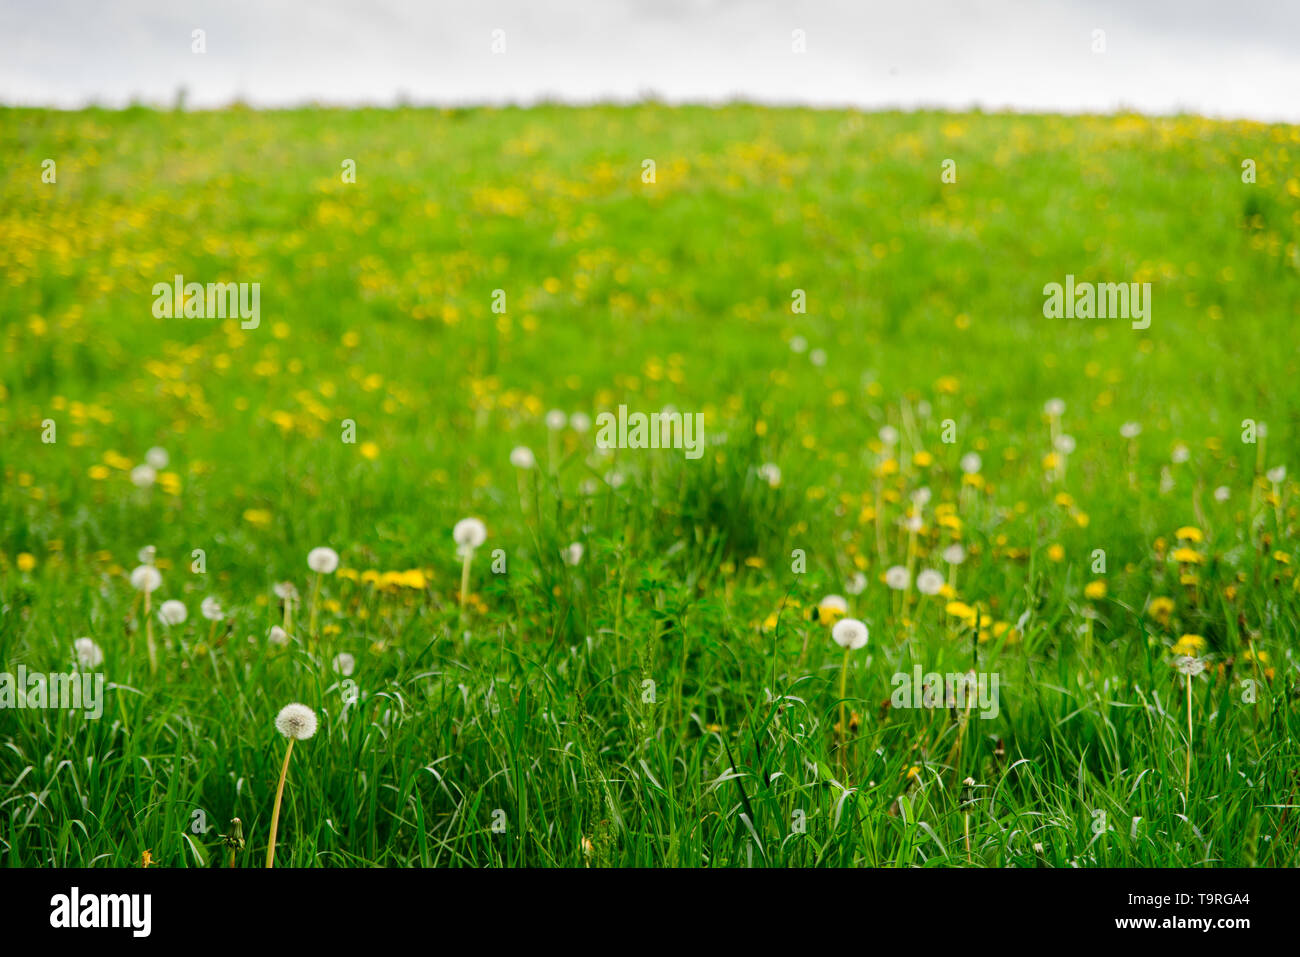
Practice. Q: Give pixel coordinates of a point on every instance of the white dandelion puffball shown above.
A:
(573, 554)
(1277, 475)
(1054, 407)
(850, 633)
(1221, 493)
(296, 721)
(614, 479)
(146, 578)
(521, 457)
(922, 495)
(172, 612)
(89, 654)
(344, 664)
(555, 420)
(914, 523)
(211, 609)
(285, 590)
(323, 560)
(857, 584)
(1189, 666)
(147, 555)
(971, 463)
(1181, 454)
(835, 603)
(888, 435)
(954, 554)
(929, 582)
(897, 578)
(798, 344)
(1065, 444)
(143, 476)
(580, 422)
(817, 357)
(157, 458)
(1130, 430)
(469, 533)
(770, 473)
(278, 636)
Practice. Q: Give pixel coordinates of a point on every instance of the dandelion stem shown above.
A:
(844, 725)
(275, 812)
(315, 601)
(1187, 776)
(464, 582)
(148, 635)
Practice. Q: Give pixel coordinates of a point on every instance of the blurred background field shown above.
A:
(924, 304)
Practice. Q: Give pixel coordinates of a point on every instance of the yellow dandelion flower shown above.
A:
(1189, 533)
(1161, 608)
(959, 609)
(1189, 645)
(1095, 589)
(1056, 553)
(26, 561)
(1187, 556)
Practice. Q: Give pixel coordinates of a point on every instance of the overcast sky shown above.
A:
(1233, 58)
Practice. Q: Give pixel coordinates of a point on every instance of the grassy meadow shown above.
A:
(669, 693)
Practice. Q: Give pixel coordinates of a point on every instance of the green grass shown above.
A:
(667, 701)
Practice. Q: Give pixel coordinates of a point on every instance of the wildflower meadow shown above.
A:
(648, 486)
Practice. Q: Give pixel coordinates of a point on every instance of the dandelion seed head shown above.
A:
(173, 612)
(210, 608)
(897, 578)
(850, 633)
(143, 476)
(469, 533)
(323, 560)
(929, 582)
(146, 578)
(89, 654)
(157, 458)
(521, 457)
(344, 664)
(296, 721)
